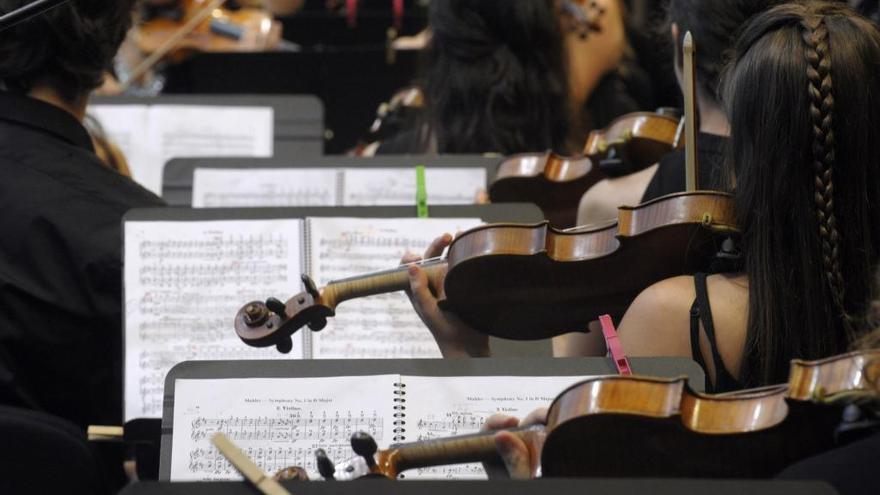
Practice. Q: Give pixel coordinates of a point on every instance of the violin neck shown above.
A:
(384, 282)
(478, 447)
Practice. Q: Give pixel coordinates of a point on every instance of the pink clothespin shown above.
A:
(397, 6)
(614, 347)
(351, 8)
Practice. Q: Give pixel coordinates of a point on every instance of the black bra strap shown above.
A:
(695, 335)
(702, 311)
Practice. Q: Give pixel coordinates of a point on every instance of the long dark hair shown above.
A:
(802, 96)
(715, 25)
(494, 76)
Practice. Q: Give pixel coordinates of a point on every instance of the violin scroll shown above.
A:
(272, 323)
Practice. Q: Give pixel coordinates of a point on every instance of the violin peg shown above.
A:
(277, 307)
(364, 445)
(285, 345)
(325, 466)
(318, 324)
(310, 286)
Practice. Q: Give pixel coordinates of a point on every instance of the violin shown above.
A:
(635, 141)
(217, 30)
(557, 183)
(199, 26)
(527, 282)
(398, 113)
(624, 426)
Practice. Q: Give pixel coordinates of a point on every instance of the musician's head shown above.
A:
(67, 49)
(714, 25)
(802, 96)
(494, 76)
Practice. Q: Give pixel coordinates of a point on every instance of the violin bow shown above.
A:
(191, 25)
(263, 482)
(690, 113)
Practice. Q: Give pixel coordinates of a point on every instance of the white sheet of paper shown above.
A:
(269, 187)
(277, 422)
(126, 126)
(444, 407)
(149, 136)
(184, 284)
(384, 326)
(397, 186)
(190, 131)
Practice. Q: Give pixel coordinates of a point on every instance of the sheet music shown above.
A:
(149, 136)
(184, 283)
(443, 407)
(317, 186)
(383, 326)
(278, 422)
(233, 188)
(126, 126)
(397, 187)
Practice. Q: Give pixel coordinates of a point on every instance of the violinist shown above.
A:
(714, 24)
(61, 212)
(510, 77)
(807, 193)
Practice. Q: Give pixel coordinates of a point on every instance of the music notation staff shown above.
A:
(280, 421)
(184, 282)
(384, 326)
(209, 464)
(287, 429)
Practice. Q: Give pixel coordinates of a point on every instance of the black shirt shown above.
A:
(60, 265)
(670, 175)
(852, 470)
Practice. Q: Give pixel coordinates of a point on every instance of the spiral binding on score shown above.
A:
(399, 412)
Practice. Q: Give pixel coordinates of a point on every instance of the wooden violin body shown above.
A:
(528, 282)
(224, 30)
(634, 142)
(553, 182)
(534, 282)
(557, 183)
(637, 426)
(657, 428)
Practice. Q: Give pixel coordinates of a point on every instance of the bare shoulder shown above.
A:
(657, 323)
(601, 201)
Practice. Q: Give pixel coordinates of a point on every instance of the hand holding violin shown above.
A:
(454, 337)
(517, 457)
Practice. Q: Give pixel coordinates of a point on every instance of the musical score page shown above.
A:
(373, 186)
(184, 284)
(452, 406)
(126, 126)
(277, 422)
(397, 186)
(149, 136)
(264, 187)
(375, 327)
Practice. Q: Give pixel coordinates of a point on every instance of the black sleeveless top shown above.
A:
(670, 175)
(701, 311)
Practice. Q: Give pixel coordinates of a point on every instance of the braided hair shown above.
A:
(801, 96)
(821, 92)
